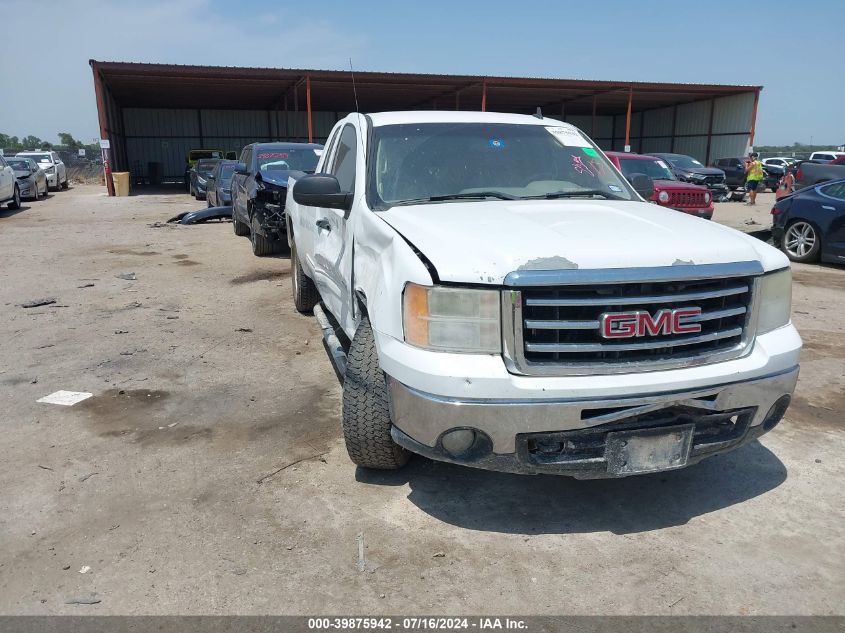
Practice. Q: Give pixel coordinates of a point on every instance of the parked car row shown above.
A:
(809, 225)
(29, 175)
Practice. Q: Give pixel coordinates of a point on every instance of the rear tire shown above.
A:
(366, 407)
(65, 183)
(305, 293)
(801, 241)
(15, 202)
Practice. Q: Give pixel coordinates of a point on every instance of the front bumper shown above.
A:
(702, 212)
(28, 188)
(569, 436)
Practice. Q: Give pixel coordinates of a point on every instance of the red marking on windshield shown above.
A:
(274, 155)
(580, 167)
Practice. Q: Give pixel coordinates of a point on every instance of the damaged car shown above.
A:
(259, 190)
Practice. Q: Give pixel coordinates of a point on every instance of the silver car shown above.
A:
(32, 180)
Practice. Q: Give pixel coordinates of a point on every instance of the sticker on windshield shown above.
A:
(589, 151)
(615, 188)
(579, 166)
(568, 135)
(273, 155)
(662, 164)
(318, 152)
(496, 143)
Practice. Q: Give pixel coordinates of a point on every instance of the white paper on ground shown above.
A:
(66, 398)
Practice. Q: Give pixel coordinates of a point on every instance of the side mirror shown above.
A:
(211, 177)
(643, 185)
(241, 168)
(321, 190)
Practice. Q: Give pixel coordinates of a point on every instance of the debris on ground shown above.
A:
(85, 478)
(65, 398)
(244, 329)
(36, 303)
(44, 467)
(86, 286)
(83, 600)
(439, 555)
(85, 569)
(66, 567)
(751, 222)
(127, 276)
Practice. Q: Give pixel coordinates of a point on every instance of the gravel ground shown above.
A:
(207, 474)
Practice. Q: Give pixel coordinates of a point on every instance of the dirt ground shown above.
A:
(207, 473)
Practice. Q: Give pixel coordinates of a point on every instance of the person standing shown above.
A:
(786, 184)
(753, 176)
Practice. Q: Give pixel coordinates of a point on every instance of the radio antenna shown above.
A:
(354, 88)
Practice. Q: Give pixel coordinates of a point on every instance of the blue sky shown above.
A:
(791, 48)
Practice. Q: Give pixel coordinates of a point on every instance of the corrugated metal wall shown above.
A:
(706, 130)
(689, 128)
(165, 136)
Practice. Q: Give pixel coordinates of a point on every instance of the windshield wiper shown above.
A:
(475, 195)
(575, 194)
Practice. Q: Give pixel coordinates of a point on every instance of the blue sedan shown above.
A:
(810, 224)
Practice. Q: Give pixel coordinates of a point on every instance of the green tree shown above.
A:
(68, 142)
(32, 142)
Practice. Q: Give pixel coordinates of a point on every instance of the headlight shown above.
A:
(663, 196)
(452, 319)
(707, 197)
(775, 300)
(201, 180)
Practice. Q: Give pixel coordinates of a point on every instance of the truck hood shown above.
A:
(701, 171)
(481, 242)
(677, 185)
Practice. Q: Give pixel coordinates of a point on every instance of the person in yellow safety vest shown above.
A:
(753, 176)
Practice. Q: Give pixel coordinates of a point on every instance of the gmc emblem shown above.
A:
(641, 323)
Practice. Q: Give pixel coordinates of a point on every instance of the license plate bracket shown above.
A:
(648, 450)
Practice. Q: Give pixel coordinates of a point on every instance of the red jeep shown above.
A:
(668, 190)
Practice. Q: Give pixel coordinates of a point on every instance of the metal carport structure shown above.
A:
(156, 113)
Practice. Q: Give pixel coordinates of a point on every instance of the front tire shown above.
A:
(305, 293)
(261, 244)
(15, 202)
(801, 242)
(65, 183)
(366, 407)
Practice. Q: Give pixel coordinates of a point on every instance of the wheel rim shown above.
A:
(800, 239)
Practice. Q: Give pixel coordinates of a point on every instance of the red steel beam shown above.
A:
(628, 119)
(101, 115)
(484, 95)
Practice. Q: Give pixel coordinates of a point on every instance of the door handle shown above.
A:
(824, 206)
(323, 223)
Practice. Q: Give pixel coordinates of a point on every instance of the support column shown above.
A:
(753, 120)
(101, 114)
(674, 127)
(484, 95)
(710, 130)
(593, 120)
(628, 119)
(308, 105)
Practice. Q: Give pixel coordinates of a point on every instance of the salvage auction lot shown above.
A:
(207, 472)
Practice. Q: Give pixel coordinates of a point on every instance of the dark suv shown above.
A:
(734, 169)
(259, 189)
(688, 169)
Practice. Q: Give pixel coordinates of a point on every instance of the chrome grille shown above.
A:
(557, 328)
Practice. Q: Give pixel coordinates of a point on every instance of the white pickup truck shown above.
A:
(494, 293)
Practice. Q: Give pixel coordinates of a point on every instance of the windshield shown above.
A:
(41, 158)
(684, 162)
(293, 158)
(656, 169)
(20, 164)
(419, 162)
(206, 166)
(226, 172)
(204, 153)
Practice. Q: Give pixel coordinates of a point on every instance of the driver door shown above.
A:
(333, 234)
